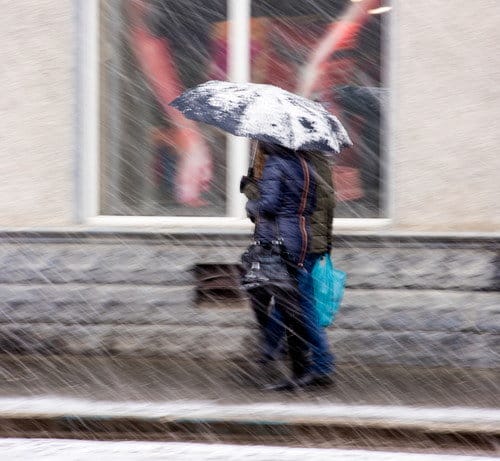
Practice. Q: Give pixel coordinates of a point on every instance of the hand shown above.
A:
(252, 210)
(194, 171)
(244, 181)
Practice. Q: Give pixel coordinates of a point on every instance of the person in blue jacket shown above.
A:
(283, 210)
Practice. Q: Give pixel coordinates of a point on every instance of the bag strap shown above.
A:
(277, 231)
(253, 154)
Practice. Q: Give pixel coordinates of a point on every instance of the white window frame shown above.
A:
(88, 142)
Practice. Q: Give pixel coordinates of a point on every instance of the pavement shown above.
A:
(159, 380)
(380, 408)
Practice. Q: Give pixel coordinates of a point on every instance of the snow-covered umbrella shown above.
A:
(266, 113)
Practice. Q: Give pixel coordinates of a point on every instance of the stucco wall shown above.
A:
(446, 117)
(36, 64)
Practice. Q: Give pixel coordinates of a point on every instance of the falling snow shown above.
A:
(104, 333)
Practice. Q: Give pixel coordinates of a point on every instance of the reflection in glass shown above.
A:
(155, 162)
(330, 51)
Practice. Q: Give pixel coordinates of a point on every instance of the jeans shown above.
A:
(323, 361)
(273, 327)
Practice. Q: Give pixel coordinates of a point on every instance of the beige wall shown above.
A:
(36, 64)
(446, 118)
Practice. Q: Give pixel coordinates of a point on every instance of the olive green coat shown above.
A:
(322, 218)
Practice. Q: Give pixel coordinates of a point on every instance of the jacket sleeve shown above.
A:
(270, 190)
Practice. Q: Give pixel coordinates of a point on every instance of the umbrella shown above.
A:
(266, 113)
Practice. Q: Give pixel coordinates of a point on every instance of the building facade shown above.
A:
(87, 140)
(111, 205)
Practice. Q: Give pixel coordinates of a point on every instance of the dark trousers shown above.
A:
(287, 303)
(273, 329)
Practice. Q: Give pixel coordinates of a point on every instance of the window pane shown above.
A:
(330, 50)
(155, 162)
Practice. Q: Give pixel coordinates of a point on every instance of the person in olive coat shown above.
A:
(272, 327)
(322, 360)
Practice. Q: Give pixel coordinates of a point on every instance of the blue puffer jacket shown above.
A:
(287, 200)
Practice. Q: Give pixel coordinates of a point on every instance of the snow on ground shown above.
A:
(402, 416)
(78, 450)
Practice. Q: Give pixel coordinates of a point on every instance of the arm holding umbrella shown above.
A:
(269, 201)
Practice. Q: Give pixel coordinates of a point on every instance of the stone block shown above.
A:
(153, 265)
(239, 343)
(410, 348)
(416, 268)
(414, 310)
(73, 304)
(488, 316)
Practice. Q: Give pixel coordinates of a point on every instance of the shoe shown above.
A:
(286, 385)
(264, 359)
(293, 384)
(316, 381)
(305, 380)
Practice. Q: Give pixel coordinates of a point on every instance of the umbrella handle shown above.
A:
(253, 154)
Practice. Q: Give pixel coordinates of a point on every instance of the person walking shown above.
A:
(271, 328)
(282, 210)
(322, 360)
(269, 319)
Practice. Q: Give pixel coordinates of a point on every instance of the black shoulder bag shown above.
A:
(265, 265)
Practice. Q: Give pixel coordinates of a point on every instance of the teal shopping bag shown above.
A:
(329, 286)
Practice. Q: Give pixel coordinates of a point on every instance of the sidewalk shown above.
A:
(384, 408)
(160, 380)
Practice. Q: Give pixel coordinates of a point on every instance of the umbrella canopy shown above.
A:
(266, 113)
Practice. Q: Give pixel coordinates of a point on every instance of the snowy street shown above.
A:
(76, 450)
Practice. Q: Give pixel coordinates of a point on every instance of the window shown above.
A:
(153, 162)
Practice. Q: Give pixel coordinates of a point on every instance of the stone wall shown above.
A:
(409, 300)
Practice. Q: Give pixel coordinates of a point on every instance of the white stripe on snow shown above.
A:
(476, 419)
(73, 450)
